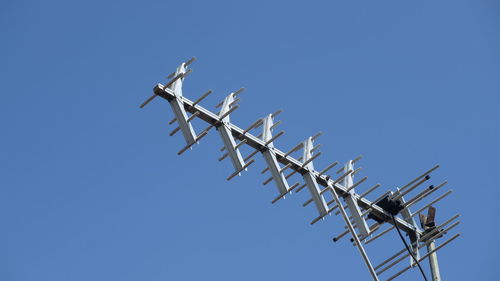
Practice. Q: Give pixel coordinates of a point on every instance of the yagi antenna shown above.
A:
(364, 219)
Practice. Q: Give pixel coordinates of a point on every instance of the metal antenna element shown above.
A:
(391, 208)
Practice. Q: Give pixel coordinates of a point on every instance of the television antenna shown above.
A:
(391, 208)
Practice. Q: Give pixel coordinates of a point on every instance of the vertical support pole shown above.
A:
(431, 246)
(433, 262)
(354, 235)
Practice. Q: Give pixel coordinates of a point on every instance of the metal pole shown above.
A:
(433, 262)
(354, 236)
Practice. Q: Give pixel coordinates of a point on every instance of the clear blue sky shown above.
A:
(91, 187)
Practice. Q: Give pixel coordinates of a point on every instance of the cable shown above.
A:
(407, 247)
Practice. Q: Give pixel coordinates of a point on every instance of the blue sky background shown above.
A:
(91, 187)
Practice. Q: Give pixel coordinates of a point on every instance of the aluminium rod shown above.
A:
(254, 125)
(251, 155)
(291, 174)
(202, 97)
(354, 236)
(275, 124)
(419, 177)
(433, 202)
(234, 102)
(239, 91)
(228, 112)
(356, 184)
(328, 168)
(423, 194)
(223, 157)
(335, 239)
(201, 135)
(357, 159)
(181, 75)
(240, 144)
(190, 61)
(369, 190)
(311, 159)
(283, 195)
(402, 193)
(408, 254)
(316, 147)
(307, 202)
(193, 116)
(353, 161)
(379, 235)
(240, 170)
(274, 114)
(320, 217)
(373, 228)
(425, 256)
(174, 131)
(297, 147)
(219, 104)
(392, 257)
(300, 188)
(316, 136)
(274, 138)
(356, 171)
(286, 167)
(267, 181)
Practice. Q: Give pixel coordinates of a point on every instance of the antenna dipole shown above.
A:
(390, 208)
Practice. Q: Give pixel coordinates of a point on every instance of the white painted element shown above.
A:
(310, 179)
(352, 202)
(227, 137)
(270, 156)
(178, 108)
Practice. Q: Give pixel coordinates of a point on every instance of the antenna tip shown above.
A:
(431, 187)
(335, 239)
(190, 61)
(427, 177)
(239, 91)
(276, 113)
